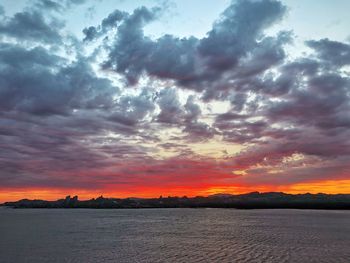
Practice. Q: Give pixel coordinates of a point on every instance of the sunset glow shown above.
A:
(155, 98)
(330, 187)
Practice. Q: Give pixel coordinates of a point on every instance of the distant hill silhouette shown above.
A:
(254, 200)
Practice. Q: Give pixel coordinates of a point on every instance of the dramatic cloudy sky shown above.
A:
(149, 98)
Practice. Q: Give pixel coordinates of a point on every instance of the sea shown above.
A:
(173, 235)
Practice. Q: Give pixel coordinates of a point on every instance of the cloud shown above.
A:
(36, 82)
(108, 23)
(50, 5)
(331, 52)
(130, 110)
(31, 26)
(236, 42)
(131, 48)
(2, 11)
(57, 6)
(237, 32)
(170, 108)
(68, 121)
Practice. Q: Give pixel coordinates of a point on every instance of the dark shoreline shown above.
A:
(253, 200)
(176, 207)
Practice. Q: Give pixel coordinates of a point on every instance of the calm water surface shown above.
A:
(174, 235)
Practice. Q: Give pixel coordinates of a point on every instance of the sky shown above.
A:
(149, 98)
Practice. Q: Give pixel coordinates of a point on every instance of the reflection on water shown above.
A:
(174, 235)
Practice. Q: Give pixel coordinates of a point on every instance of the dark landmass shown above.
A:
(254, 200)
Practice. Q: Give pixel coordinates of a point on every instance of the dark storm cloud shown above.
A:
(2, 11)
(323, 100)
(50, 5)
(36, 82)
(131, 47)
(236, 42)
(58, 147)
(311, 117)
(108, 23)
(317, 98)
(236, 33)
(130, 110)
(303, 109)
(170, 107)
(186, 116)
(31, 26)
(197, 130)
(53, 109)
(58, 6)
(310, 144)
(331, 52)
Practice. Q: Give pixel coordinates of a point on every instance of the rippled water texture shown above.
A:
(174, 235)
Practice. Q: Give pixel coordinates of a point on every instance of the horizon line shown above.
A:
(175, 196)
